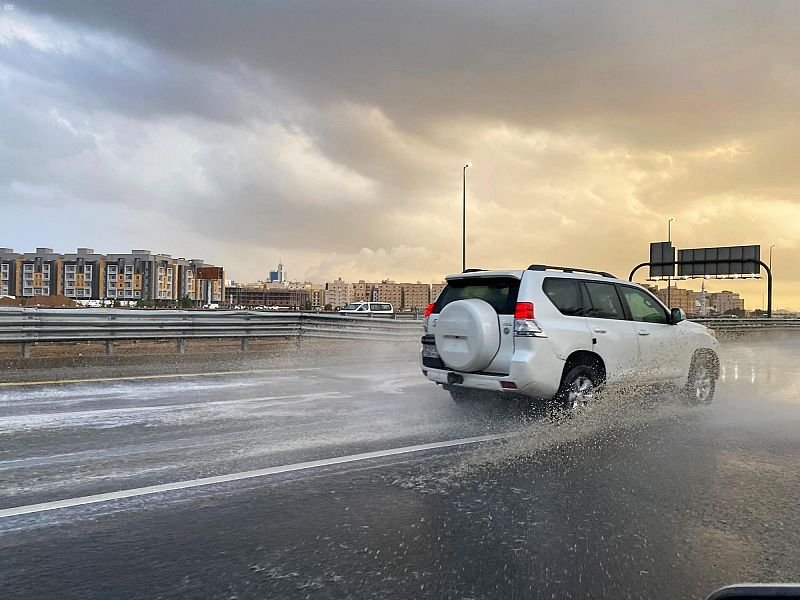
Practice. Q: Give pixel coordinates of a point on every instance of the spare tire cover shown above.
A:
(467, 335)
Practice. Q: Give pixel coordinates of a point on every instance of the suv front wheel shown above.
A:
(578, 387)
(701, 385)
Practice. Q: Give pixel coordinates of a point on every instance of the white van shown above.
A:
(368, 309)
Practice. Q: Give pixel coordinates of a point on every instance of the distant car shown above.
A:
(560, 333)
(368, 309)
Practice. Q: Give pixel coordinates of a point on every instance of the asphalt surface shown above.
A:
(640, 497)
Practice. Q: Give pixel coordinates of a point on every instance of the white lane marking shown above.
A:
(162, 376)
(193, 483)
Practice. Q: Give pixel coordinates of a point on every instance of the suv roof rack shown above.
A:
(568, 270)
(472, 270)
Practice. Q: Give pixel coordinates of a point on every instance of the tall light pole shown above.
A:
(464, 220)
(672, 267)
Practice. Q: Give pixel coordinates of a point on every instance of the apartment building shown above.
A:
(416, 296)
(724, 301)
(81, 274)
(389, 291)
(362, 292)
(338, 294)
(38, 273)
(209, 283)
(140, 275)
(8, 271)
(436, 289)
(318, 298)
(679, 298)
(252, 296)
(86, 275)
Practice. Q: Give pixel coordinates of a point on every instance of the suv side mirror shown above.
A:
(676, 315)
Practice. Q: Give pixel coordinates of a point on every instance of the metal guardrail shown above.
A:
(27, 326)
(743, 325)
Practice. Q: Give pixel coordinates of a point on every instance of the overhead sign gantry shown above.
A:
(718, 262)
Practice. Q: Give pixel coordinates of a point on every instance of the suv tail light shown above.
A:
(524, 310)
(524, 323)
(428, 313)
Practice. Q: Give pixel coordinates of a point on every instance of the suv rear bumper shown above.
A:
(535, 370)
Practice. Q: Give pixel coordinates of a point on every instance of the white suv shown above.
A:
(560, 333)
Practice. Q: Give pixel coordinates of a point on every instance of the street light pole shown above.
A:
(672, 267)
(770, 256)
(464, 220)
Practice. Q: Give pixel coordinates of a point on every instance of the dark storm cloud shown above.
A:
(625, 65)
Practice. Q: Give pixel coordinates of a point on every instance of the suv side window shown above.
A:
(604, 300)
(565, 295)
(643, 307)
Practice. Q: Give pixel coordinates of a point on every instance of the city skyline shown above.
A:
(358, 288)
(334, 136)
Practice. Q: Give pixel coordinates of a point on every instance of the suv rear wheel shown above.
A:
(578, 387)
(702, 384)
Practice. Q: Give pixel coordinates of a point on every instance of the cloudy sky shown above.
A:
(332, 134)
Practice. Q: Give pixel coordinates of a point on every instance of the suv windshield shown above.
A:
(499, 292)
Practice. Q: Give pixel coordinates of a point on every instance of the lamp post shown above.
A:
(770, 256)
(672, 267)
(464, 219)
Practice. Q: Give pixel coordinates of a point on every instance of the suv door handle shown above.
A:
(598, 330)
(643, 332)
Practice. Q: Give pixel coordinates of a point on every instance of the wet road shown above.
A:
(638, 498)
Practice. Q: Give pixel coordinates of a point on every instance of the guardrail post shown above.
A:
(245, 344)
(26, 349)
(109, 347)
(181, 346)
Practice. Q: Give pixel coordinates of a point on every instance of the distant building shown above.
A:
(251, 296)
(724, 301)
(38, 273)
(361, 292)
(8, 271)
(279, 275)
(388, 291)
(436, 289)
(337, 294)
(318, 298)
(81, 274)
(88, 275)
(679, 298)
(416, 296)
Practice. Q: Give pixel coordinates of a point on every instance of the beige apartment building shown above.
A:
(361, 292)
(724, 301)
(416, 296)
(436, 289)
(338, 294)
(389, 291)
(318, 298)
(679, 298)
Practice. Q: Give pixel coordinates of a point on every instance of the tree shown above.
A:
(328, 307)
(186, 302)
(738, 312)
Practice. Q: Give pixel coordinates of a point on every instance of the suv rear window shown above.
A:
(499, 292)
